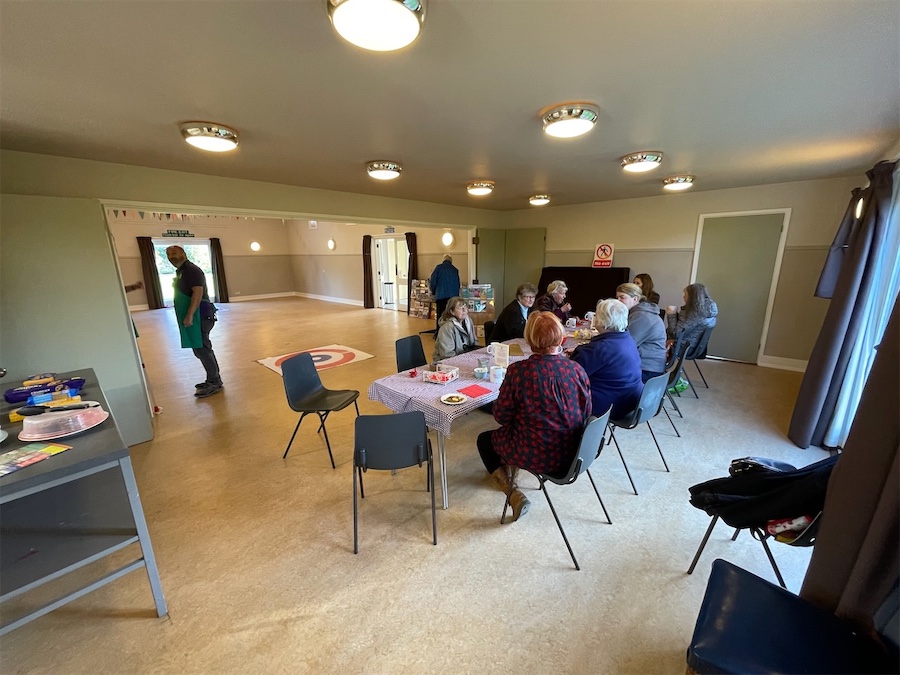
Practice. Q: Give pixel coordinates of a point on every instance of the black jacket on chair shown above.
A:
(510, 324)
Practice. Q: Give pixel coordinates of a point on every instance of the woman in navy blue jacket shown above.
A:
(612, 361)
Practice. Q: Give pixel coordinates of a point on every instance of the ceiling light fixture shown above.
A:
(539, 200)
(377, 25)
(383, 170)
(209, 136)
(678, 183)
(568, 120)
(447, 239)
(254, 246)
(331, 244)
(479, 188)
(638, 162)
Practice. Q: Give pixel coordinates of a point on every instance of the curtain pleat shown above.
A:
(368, 291)
(413, 266)
(151, 275)
(218, 270)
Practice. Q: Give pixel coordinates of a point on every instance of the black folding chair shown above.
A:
(488, 329)
(698, 351)
(410, 353)
(391, 442)
(674, 367)
(307, 395)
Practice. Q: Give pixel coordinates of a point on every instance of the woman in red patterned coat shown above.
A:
(542, 408)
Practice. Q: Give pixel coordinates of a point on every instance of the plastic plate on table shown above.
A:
(3, 435)
(454, 399)
(88, 419)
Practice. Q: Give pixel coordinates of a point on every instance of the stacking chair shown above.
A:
(588, 450)
(674, 367)
(646, 409)
(409, 353)
(306, 395)
(698, 351)
(390, 442)
(488, 329)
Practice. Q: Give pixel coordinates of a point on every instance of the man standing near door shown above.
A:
(444, 284)
(196, 317)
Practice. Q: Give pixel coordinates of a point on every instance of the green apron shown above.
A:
(191, 337)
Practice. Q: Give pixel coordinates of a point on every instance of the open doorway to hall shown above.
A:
(198, 251)
(391, 270)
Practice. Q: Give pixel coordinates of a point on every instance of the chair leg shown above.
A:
(658, 449)
(290, 442)
(431, 483)
(709, 530)
(362, 489)
(762, 540)
(701, 374)
(509, 492)
(674, 405)
(737, 531)
(327, 442)
(671, 422)
(690, 383)
(597, 492)
(355, 512)
(559, 525)
(612, 437)
(356, 406)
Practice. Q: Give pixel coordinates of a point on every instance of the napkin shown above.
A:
(474, 390)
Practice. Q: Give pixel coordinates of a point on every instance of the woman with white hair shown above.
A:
(554, 300)
(612, 361)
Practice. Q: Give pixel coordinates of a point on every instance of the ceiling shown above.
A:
(736, 92)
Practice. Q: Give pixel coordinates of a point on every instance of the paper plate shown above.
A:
(454, 399)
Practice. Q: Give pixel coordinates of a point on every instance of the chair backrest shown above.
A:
(676, 360)
(488, 329)
(649, 405)
(390, 441)
(699, 350)
(300, 378)
(588, 450)
(409, 353)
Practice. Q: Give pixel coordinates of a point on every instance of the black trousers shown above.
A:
(492, 461)
(441, 306)
(206, 354)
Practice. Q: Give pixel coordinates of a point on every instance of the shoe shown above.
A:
(519, 503)
(208, 390)
(201, 385)
(517, 500)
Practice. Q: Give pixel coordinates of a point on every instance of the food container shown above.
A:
(63, 423)
(442, 375)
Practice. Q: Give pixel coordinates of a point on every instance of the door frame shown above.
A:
(786, 221)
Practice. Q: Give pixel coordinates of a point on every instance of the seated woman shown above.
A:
(544, 403)
(511, 322)
(698, 313)
(647, 329)
(456, 333)
(612, 361)
(645, 283)
(554, 300)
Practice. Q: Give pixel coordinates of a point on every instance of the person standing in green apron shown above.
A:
(196, 317)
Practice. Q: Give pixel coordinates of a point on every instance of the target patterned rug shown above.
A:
(329, 356)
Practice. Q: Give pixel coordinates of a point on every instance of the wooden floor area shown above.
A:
(256, 553)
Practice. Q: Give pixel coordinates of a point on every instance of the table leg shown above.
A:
(144, 536)
(442, 462)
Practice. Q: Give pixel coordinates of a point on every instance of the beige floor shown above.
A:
(255, 553)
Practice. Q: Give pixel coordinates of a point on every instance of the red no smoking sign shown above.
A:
(603, 255)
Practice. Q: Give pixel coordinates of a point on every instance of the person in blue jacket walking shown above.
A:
(444, 283)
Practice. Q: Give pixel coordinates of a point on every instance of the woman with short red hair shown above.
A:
(544, 403)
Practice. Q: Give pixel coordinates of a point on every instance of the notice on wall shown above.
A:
(603, 255)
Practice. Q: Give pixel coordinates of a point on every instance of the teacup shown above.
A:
(571, 322)
(481, 373)
(497, 374)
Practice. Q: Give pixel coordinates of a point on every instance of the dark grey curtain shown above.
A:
(413, 265)
(828, 363)
(857, 555)
(368, 291)
(218, 270)
(151, 275)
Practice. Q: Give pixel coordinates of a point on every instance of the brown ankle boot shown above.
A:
(501, 478)
(519, 503)
(517, 500)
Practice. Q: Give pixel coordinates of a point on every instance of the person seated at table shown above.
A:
(612, 361)
(645, 283)
(698, 313)
(554, 300)
(511, 322)
(544, 403)
(647, 328)
(456, 334)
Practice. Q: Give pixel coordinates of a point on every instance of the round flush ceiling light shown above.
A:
(331, 245)
(377, 25)
(254, 246)
(447, 239)
(678, 183)
(568, 120)
(638, 162)
(383, 170)
(539, 200)
(210, 137)
(479, 188)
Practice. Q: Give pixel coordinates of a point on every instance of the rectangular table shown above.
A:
(70, 510)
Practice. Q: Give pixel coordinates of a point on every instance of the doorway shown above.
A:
(198, 252)
(738, 257)
(391, 271)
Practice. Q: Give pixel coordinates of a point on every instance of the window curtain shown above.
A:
(368, 291)
(151, 276)
(856, 559)
(218, 270)
(412, 266)
(864, 283)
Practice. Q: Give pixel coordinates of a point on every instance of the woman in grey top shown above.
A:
(647, 329)
(456, 334)
(698, 314)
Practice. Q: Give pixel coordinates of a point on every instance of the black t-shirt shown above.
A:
(189, 275)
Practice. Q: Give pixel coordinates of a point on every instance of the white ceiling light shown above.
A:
(254, 246)
(377, 25)
(539, 200)
(638, 162)
(678, 183)
(383, 170)
(567, 120)
(447, 239)
(331, 244)
(479, 188)
(209, 136)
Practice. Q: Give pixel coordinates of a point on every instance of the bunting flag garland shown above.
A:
(141, 214)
